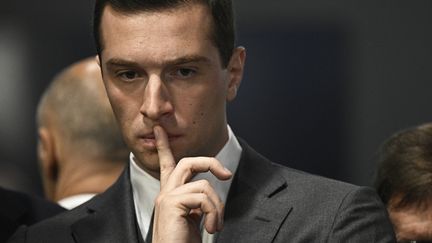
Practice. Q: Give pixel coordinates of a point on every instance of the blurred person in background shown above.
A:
(404, 182)
(17, 209)
(80, 148)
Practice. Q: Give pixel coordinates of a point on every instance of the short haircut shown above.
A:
(76, 105)
(223, 30)
(405, 167)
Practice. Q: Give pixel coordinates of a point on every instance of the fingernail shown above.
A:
(156, 132)
(228, 171)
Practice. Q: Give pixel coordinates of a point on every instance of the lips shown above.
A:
(147, 136)
(151, 136)
(148, 140)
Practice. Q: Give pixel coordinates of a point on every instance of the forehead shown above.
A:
(174, 29)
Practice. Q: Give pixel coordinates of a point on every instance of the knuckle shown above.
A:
(183, 162)
(160, 199)
(202, 197)
(214, 161)
(204, 183)
(206, 186)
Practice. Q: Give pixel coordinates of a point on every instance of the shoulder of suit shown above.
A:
(315, 186)
(296, 181)
(27, 209)
(62, 222)
(64, 219)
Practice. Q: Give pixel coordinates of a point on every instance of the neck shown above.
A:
(82, 178)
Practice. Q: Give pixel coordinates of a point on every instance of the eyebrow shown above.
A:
(121, 63)
(187, 59)
(118, 62)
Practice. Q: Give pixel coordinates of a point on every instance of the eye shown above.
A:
(128, 76)
(184, 73)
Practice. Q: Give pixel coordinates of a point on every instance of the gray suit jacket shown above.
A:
(267, 203)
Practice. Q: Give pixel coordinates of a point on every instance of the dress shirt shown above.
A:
(145, 188)
(75, 200)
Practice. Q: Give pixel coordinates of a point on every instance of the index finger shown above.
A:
(166, 158)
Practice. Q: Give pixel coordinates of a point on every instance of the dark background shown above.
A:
(326, 81)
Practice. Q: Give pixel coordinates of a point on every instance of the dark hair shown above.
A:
(223, 33)
(405, 167)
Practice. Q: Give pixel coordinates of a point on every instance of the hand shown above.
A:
(180, 203)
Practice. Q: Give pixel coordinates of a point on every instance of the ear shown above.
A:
(235, 69)
(48, 161)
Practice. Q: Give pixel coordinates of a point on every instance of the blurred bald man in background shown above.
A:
(80, 149)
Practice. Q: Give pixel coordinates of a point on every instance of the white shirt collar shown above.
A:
(145, 188)
(75, 200)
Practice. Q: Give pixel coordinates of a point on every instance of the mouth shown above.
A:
(149, 140)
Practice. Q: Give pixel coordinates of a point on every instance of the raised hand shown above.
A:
(181, 204)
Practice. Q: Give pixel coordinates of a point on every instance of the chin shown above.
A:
(149, 159)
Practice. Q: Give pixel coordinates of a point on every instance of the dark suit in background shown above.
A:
(267, 203)
(20, 209)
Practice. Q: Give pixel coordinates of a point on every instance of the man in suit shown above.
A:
(404, 182)
(169, 68)
(80, 149)
(17, 209)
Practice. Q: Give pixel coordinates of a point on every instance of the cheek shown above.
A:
(117, 106)
(205, 113)
(212, 102)
(199, 116)
(123, 107)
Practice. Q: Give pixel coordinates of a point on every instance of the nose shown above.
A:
(156, 101)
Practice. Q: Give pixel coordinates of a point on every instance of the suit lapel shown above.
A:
(257, 204)
(111, 216)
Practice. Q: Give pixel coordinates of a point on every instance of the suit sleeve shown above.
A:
(362, 218)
